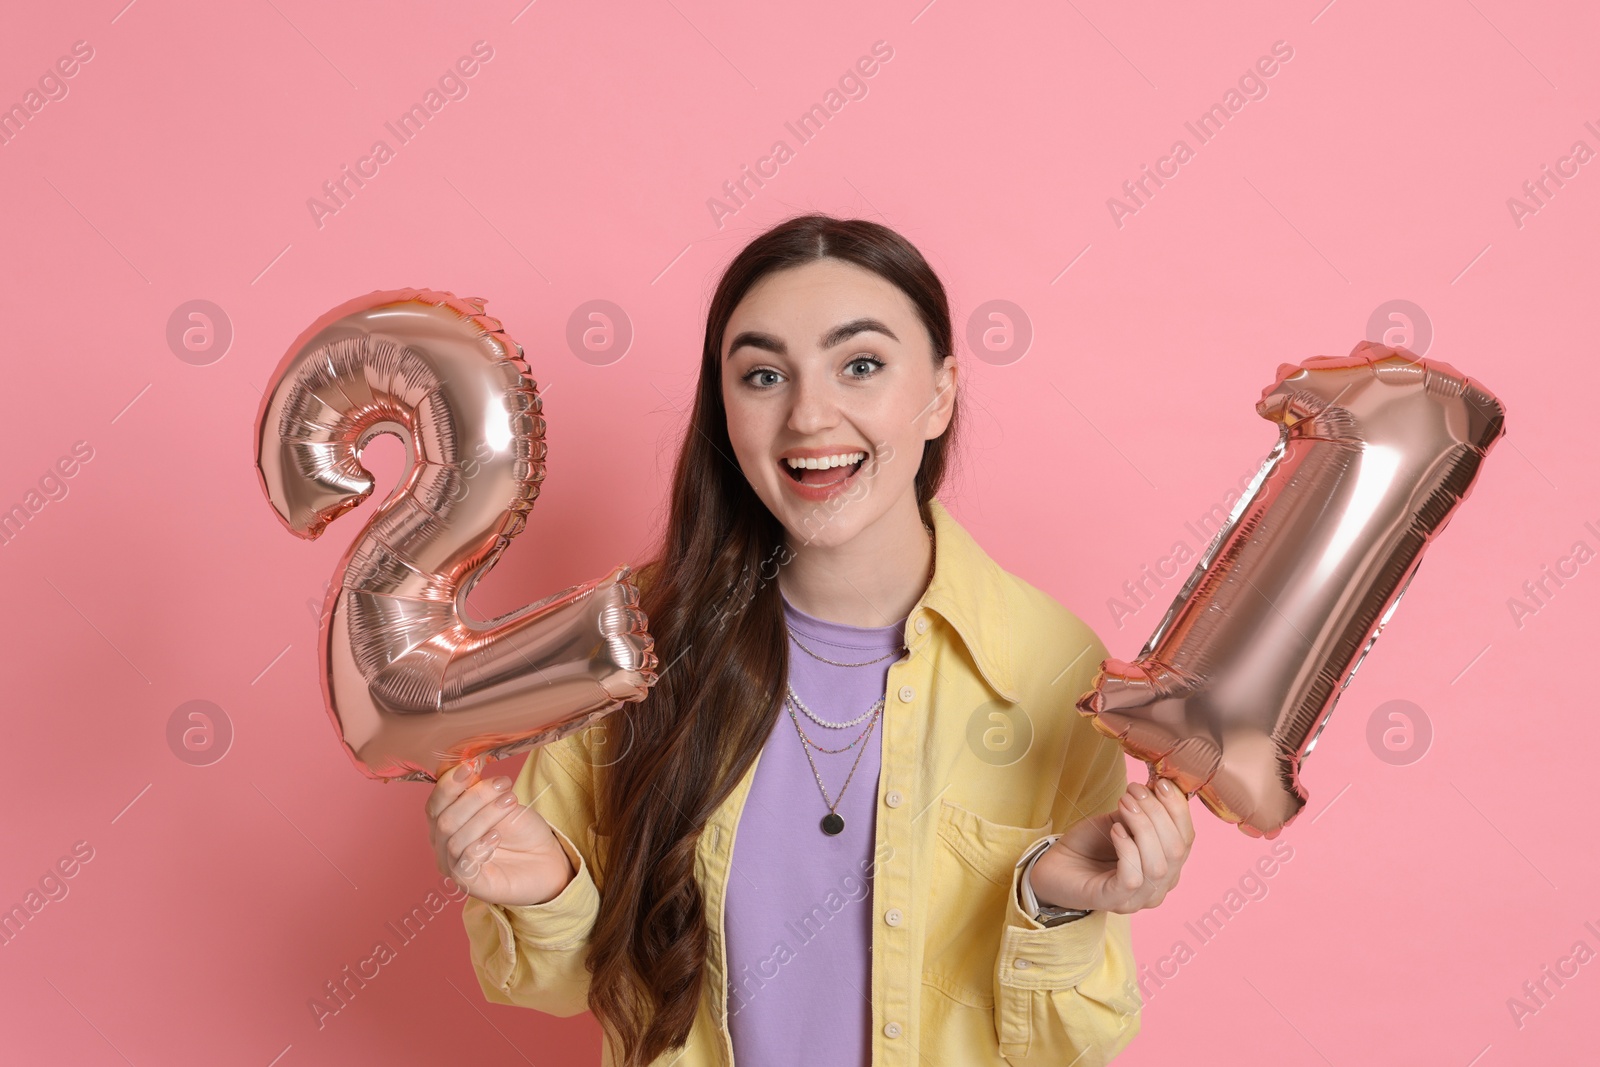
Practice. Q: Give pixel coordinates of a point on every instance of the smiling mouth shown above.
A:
(821, 478)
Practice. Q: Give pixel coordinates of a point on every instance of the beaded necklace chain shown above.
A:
(833, 822)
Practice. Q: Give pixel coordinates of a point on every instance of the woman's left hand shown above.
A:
(1122, 860)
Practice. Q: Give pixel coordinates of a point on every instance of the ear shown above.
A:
(944, 403)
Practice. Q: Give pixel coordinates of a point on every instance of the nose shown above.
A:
(814, 409)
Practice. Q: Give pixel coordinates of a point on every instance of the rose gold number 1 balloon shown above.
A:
(1375, 452)
(412, 685)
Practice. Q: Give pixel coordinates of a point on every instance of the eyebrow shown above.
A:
(836, 336)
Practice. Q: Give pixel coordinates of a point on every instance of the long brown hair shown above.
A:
(717, 619)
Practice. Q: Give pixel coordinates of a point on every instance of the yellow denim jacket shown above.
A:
(984, 754)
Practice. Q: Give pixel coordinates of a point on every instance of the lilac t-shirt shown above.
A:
(799, 902)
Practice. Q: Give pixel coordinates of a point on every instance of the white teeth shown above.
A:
(824, 462)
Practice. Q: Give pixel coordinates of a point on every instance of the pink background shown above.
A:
(220, 898)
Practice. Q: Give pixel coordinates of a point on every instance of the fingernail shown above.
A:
(463, 772)
(1166, 785)
(501, 784)
(506, 801)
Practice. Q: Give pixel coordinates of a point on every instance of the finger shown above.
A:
(1177, 804)
(1152, 854)
(466, 868)
(519, 817)
(1130, 867)
(470, 804)
(473, 856)
(452, 784)
(1172, 845)
(489, 814)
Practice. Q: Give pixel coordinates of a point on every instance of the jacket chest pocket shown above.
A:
(973, 863)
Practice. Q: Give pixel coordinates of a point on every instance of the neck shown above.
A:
(873, 579)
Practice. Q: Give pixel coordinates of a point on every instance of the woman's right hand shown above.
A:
(495, 848)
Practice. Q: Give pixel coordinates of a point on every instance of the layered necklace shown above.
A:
(833, 822)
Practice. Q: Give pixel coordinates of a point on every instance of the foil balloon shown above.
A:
(1375, 452)
(413, 685)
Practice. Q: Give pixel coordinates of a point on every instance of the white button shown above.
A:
(892, 916)
(891, 1029)
(892, 798)
(1024, 963)
(906, 693)
(922, 624)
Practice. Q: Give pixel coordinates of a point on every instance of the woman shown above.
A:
(896, 843)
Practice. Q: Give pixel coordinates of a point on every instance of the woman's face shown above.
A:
(829, 363)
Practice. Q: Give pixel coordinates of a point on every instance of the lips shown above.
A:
(817, 486)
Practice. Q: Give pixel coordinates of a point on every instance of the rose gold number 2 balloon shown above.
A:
(1375, 452)
(412, 685)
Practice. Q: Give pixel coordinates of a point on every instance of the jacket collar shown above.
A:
(968, 592)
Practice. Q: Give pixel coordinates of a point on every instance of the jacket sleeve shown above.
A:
(533, 956)
(1069, 993)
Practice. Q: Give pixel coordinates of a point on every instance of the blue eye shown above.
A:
(872, 362)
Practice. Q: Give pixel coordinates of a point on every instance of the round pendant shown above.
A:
(832, 823)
